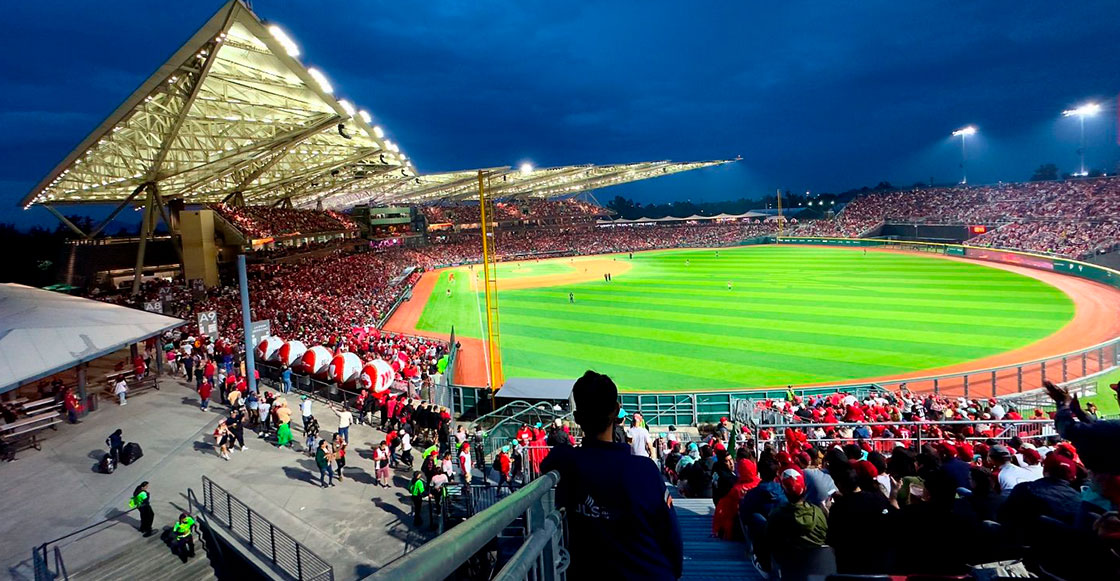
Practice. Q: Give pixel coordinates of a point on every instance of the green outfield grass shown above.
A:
(794, 315)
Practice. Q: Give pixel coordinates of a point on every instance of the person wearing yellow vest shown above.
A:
(142, 501)
(418, 490)
(182, 539)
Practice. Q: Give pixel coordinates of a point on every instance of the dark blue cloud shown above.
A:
(814, 96)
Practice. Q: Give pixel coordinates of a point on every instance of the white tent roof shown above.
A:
(44, 332)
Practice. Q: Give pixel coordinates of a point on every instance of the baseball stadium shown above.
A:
(492, 355)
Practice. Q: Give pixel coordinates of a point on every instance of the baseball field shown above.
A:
(751, 316)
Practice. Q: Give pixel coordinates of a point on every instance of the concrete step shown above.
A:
(149, 558)
(707, 558)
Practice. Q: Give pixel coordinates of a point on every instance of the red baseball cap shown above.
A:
(1060, 466)
(793, 482)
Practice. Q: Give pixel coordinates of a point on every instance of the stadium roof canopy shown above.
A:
(505, 182)
(44, 332)
(234, 112)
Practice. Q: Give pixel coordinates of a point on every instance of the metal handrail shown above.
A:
(523, 561)
(41, 553)
(301, 553)
(903, 423)
(439, 558)
(192, 501)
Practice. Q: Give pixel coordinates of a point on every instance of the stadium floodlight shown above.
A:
(346, 106)
(1086, 110)
(378, 131)
(526, 168)
(284, 40)
(320, 78)
(963, 133)
(365, 116)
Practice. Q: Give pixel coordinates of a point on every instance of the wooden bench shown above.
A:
(26, 431)
(128, 375)
(39, 406)
(134, 387)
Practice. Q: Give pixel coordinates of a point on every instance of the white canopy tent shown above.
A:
(44, 332)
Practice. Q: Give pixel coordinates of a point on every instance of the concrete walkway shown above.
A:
(356, 525)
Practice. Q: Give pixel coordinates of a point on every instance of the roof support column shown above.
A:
(145, 232)
(176, 240)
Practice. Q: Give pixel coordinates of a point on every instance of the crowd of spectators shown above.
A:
(1071, 218)
(842, 226)
(1064, 238)
(336, 301)
(599, 240)
(534, 209)
(285, 251)
(265, 221)
(963, 496)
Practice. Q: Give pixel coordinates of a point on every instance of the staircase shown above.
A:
(149, 558)
(706, 557)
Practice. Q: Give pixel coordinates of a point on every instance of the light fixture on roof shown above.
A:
(284, 40)
(378, 131)
(365, 116)
(346, 106)
(526, 168)
(320, 78)
(1086, 110)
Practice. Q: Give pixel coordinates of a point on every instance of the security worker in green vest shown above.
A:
(142, 501)
(418, 490)
(182, 540)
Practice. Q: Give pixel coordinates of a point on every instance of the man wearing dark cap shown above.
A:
(620, 518)
(1009, 474)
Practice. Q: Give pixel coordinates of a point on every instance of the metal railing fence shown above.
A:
(531, 509)
(917, 432)
(273, 544)
(47, 560)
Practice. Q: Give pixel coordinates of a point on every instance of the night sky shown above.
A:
(820, 96)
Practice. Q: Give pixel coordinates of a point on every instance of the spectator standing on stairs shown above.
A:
(182, 537)
(621, 520)
(142, 501)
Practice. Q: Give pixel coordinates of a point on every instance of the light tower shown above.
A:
(1086, 110)
(964, 133)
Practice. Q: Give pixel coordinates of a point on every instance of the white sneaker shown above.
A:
(243, 448)
(124, 403)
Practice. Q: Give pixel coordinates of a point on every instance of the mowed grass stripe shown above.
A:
(602, 347)
(796, 309)
(739, 331)
(776, 353)
(796, 315)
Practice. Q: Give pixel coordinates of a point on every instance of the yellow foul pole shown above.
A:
(490, 281)
(780, 214)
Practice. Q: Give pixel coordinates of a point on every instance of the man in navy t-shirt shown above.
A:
(620, 519)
